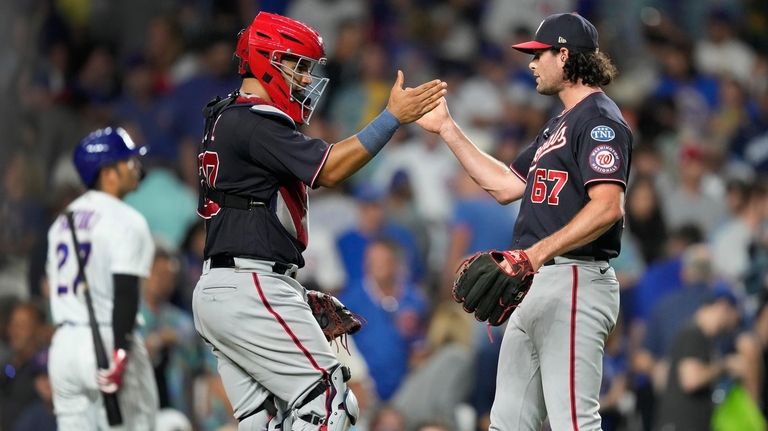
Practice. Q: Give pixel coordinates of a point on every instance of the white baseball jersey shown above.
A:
(115, 239)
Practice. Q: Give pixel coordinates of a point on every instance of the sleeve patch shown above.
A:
(602, 134)
(604, 159)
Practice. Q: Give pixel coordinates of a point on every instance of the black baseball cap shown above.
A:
(566, 30)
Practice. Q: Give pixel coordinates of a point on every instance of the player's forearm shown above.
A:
(348, 156)
(344, 159)
(590, 223)
(124, 309)
(695, 374)
(490, 174)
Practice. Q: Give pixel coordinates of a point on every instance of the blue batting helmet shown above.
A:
(101, 148)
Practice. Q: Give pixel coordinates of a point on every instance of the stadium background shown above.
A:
(693, 84)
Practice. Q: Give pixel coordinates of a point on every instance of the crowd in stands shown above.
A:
(692, 340)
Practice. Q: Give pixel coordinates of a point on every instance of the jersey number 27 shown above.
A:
(62, 252)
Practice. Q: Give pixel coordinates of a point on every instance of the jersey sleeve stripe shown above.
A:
(607, 180)
(522, 178)
(320, 166)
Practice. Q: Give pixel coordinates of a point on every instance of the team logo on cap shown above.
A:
(604, 159)
(603, 134)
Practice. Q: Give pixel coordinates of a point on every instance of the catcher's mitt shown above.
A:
(491, 284)
(333, 317)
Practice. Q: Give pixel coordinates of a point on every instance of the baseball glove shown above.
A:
(492, 284)
(333, 317)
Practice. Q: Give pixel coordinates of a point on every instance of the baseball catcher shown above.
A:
(492, 284)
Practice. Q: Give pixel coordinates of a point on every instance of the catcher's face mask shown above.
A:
(305, 85)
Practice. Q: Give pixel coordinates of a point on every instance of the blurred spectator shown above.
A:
(502, 15)
(453, 31)
(7, 304)
(191, 257)
(213, 412)
(343, 65)
(761, 335)
(721, 53)
(689, 264)
(731, 243)
(479, 223)
(673, 310)
(168, 205)
(734, 112)
(488, 84)
(326, 17)
(333, 213)
(690, 201)
(22, 215)
(749, 143)
(432, 196)
(645, 222)
(169, 334)
(486, 366)
(359, 101)
(394, 310)
(629, 265)
(27, 335)
(646, 162)
(695, 96)
(614, 388)
(737, 191)
(659, 280)
(97, 82)
(387, 418)
(165, 55)
(172, 420)
(401, 208)
(216, 77)
(441, 373)
(141, 112)
(433, 426)
(430, 182)
(39, 416)
(521, 90)
(373, 222)
(686, 403)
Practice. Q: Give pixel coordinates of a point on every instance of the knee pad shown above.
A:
(335, 406)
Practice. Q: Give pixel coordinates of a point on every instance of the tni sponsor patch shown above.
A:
(604, 159)
(602, 134)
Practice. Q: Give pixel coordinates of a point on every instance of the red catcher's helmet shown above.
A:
(262, 48)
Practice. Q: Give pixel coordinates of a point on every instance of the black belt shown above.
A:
(224, 261)
(71, 323)
(229, 200)
(569, 256)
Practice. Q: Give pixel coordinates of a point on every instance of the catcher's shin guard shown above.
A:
(333, 406)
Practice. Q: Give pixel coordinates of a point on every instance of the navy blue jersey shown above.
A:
(590, 143)
(256, 152)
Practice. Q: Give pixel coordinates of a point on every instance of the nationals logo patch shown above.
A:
(602, 134)
(604, 159)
